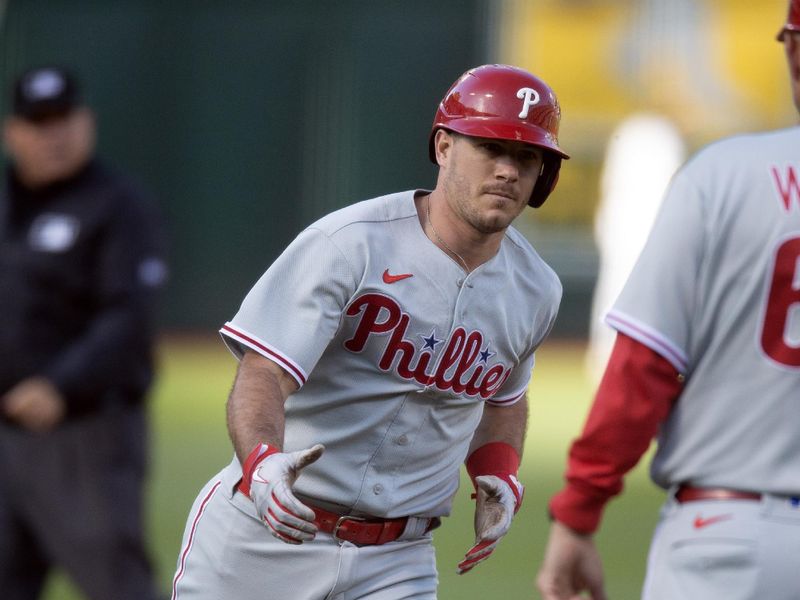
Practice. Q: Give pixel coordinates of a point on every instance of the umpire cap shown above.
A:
(43, 92)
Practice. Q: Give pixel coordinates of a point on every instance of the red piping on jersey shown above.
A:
(653, 342)
(186, 550)
(506, 401)
(296, 373)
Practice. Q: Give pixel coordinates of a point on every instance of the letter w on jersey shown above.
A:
(787, 184)
(463, 363)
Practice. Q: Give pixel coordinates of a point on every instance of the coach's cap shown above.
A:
(43, 92)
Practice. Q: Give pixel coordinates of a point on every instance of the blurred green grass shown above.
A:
(190, 444)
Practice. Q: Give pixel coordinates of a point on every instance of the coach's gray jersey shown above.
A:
(716, 292)
(396, 350)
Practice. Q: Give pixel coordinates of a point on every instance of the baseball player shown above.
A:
(707, 355)
(391, 340)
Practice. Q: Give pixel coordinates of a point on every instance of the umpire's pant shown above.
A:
(72, 498)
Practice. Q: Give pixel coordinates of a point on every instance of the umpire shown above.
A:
(81, 257)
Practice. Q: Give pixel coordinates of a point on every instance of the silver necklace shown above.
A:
(441, 241)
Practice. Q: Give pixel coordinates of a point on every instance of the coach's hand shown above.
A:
(271, 482)
(571, 566)
(498, 499)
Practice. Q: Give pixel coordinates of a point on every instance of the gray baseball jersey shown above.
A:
(716, 291)
(395, 350)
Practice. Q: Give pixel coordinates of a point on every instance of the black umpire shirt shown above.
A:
(80, 263)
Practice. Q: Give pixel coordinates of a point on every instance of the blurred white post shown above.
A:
(642, 154)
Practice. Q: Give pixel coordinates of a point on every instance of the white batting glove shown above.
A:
(498, 499)
(271, 478)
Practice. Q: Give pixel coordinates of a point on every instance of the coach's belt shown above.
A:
(687, 493)
(360, 531)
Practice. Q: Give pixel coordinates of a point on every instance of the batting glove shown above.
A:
(270, 475)
(498, 500)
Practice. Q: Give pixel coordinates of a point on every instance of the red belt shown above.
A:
(358, 530)
(687, 493)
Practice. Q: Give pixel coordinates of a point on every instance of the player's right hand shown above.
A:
(498, 499)
(271, 483)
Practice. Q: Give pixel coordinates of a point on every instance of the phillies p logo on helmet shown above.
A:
(529, 97)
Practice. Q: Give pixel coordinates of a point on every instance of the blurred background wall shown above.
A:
(250, 118)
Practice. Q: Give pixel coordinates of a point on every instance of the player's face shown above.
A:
(791, 43)
(52, 149)
(488, 182)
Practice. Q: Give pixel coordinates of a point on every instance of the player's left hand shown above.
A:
(498, 499)
(34, 403)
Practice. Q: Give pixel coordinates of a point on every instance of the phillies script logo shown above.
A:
(463, 353)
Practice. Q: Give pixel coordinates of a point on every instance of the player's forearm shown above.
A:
(505, 424)
(255, 409)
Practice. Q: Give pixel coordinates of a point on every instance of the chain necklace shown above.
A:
(442, 242)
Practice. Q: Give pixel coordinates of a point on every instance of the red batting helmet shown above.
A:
(792, 21)
(505, 103)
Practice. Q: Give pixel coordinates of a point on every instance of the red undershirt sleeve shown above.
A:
(636, 393)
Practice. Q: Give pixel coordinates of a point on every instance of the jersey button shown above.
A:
(402, 440)
(377, 489)
(459, 282)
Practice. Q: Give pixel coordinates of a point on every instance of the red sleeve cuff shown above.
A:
(578, 510)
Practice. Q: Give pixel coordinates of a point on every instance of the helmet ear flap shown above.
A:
(546, 183)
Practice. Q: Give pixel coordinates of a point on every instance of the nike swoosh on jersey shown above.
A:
(388, 278)
(700, 522)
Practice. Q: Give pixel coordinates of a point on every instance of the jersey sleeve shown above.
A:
(657, 303)
(294, 310)
(514, 388)
(636, 393)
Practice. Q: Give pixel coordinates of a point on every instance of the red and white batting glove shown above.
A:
(267, 477)
(498, 492)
